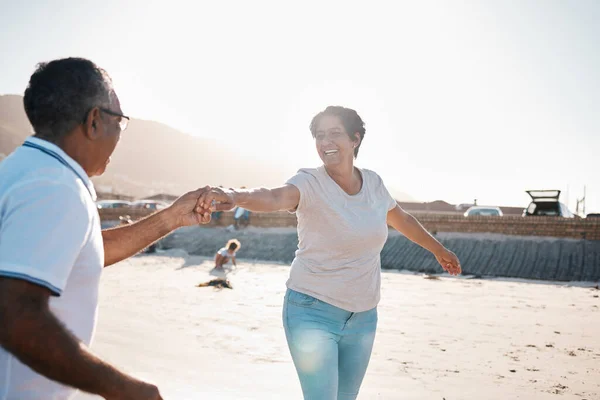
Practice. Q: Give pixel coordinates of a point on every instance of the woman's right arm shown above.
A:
(258, 200)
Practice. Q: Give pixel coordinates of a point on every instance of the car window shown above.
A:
(484, 212)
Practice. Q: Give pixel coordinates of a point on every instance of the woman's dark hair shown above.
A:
(349, 118)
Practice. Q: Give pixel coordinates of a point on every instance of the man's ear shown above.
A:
(92, 124)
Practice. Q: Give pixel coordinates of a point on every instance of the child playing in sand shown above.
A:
(227, 253)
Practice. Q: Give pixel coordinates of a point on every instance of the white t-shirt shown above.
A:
(49, 235)
(225, 253)
(340, 238)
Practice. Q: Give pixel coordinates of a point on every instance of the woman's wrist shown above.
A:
(437, 248)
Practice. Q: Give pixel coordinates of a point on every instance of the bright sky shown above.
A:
(462, 99)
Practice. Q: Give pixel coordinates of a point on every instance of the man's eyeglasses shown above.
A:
(124, 119)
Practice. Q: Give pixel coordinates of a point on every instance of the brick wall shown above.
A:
(514, 225)
(508, 225)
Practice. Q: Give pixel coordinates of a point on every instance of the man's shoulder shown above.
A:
(25, 161)
(37, 175)
(50, 189)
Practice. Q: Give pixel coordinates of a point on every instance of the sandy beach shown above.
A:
(442, 338)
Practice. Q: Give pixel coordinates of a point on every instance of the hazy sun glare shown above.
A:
(462, 100)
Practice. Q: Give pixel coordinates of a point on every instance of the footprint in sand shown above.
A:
(558, 389)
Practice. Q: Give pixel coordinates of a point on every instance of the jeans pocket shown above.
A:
(301, 299)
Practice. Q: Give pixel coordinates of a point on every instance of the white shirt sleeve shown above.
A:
(302, 180)
(390, 201)
(43, 226)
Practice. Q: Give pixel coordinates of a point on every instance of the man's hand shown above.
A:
(215, 199)
(185, 210)
(137, 390)
(448, 261)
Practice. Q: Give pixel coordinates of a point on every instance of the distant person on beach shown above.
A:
(52, 249)
(241, 217)
(216, 217)
(330, 307)
(227, 253)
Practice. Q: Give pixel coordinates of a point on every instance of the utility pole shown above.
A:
(584, 187)
(580, 207)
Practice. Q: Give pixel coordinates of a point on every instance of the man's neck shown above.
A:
(70, 147)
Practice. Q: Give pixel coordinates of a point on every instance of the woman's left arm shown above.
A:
(408, 225)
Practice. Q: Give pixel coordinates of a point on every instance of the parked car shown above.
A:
(491, 211)
(545, 203)
(149, 204)
(463, 206)
(593, 215)
(113, 204)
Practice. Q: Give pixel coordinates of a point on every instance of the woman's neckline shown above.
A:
(362, 178)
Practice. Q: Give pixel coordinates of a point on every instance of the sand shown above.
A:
(443, 338)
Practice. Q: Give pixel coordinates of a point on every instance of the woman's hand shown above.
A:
(215, 199)
(448, 261)
(185, 212)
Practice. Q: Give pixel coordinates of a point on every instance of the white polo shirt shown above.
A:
(49, 235)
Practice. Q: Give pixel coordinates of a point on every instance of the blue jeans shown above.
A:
(330, 347)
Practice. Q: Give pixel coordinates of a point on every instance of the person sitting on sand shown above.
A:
(227, 253)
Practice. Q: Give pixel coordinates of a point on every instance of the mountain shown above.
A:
(154, 158)
(14, 125)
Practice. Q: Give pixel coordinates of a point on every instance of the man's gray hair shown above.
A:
(61, 93)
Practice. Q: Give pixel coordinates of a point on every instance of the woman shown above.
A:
(330, 307)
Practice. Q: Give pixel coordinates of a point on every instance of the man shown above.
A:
(52, 250)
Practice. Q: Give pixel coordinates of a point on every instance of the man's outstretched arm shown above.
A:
(38, 339)
(125, 241)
